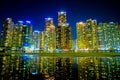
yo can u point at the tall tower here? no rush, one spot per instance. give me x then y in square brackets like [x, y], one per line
[50, 38]
[7, 33]
[49, 25]
[42, 40]
[61, 18]
[63, 33]
[102, 36]
[81, 36]
[17, 36]
[27, 36]
[91, 34]
[36, 40]
[108, 34]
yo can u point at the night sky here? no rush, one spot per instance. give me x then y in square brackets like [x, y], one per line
[77, 10]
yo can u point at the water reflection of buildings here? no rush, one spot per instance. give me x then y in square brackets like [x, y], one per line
[99, 68]
[27, 67]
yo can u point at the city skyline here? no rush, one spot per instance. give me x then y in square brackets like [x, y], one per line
[56, 25]
[77, 10]
[59, 40]
[91, 36]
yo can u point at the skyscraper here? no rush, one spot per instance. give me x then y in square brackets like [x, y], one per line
[17, 36]
[81, 36]
[102, 40]
[112, 35]
[91, 34]
[36, 40]
[27, 36]
[63, 33]
[61, 18]
[50, 36]
[87, 35]
[42, 40]
[109, 36]
[7, 33]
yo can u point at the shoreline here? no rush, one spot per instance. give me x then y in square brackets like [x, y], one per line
[67, 54]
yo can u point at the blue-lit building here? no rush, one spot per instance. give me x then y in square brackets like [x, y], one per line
[27, 36]
[36, 40]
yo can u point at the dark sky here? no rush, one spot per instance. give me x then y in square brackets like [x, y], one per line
[77, 10]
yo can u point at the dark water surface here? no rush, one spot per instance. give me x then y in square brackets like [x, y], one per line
[36, 67]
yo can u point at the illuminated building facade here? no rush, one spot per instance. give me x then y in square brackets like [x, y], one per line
[36, 40]
[7, 33]
[87, 35]
[81, 36]
[50, 36]
[63, 33]
[17, 36]
[27, 36]
[42, 40]
[61, 18]
[91, 34]
[102, 40]
[109, 36]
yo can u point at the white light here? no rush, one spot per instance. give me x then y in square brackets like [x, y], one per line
[67, 24]
[94, 20]
[63, 24]
[118, 48]
[28, 22]
[20, 21]
[32, 48]
[34, 73]
[62, 12]
[36, 31]
[48, 19]
[80, 23]
[8, 18]
[86, 49]
[111, 22]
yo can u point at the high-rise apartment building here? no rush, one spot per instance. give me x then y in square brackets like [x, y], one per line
[42, 40]
[81, 36]
[91, 34]
[109, 36]
[7, 33]
[50, 35]
[63, 33]
[36, 40]
[87, 35]
[27, 36]
[17, 36]
[61, 18]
